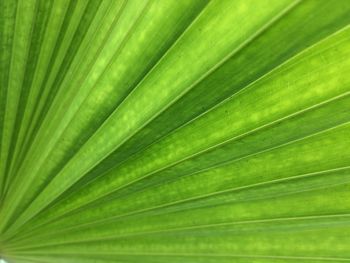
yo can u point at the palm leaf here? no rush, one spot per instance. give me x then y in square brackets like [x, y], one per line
[174, 131]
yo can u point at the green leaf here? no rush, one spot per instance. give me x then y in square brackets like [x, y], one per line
[174, 131]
